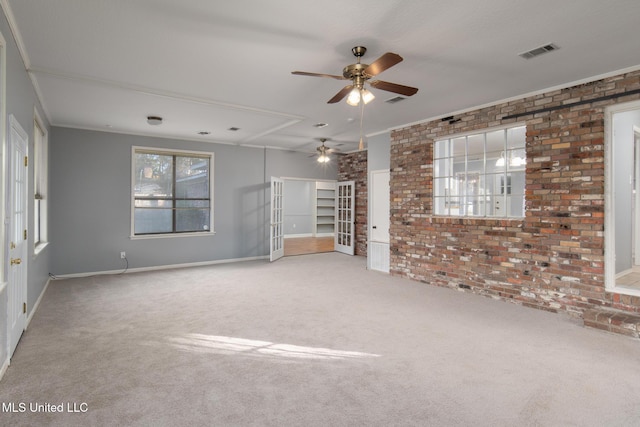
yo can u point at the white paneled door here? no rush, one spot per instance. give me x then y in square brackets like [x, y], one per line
[379, 237]
[276, 234]
[345, 218]
[380, 206]
[17, 232]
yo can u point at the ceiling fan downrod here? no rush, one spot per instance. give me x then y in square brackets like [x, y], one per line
[355, 72]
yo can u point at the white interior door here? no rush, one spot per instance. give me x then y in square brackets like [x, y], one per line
[345, 218]
[276, 235]
[380, 206]
[17, 226]
[378, 256]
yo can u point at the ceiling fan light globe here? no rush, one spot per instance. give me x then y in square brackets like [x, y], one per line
[354, 97]
[367, 96]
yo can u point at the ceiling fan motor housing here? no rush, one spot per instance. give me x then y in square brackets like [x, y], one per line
[356, 73]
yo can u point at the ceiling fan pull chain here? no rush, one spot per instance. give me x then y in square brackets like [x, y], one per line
[361, 144]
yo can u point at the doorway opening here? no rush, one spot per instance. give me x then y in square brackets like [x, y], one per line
[622, 202]
[311, 216]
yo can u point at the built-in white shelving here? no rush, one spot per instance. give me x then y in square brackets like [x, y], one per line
[325, 208]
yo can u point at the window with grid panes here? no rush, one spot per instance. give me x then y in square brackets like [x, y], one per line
[481, 174]
[171, 192]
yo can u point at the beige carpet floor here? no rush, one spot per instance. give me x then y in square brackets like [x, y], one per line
[312, 340]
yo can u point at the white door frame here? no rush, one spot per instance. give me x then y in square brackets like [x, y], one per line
[378, 255]
[276, 230]
[18, 224]
[344, 237]
[636, 199]
[4, 149]
[609, 198]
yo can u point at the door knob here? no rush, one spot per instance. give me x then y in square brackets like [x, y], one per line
[16, 261]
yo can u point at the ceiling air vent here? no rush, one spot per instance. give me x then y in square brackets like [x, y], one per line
[539, 51]
[395, 99]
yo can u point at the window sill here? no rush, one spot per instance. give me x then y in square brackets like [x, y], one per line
[444, 218]
[622, 290]
[39, 249]
[171, 235]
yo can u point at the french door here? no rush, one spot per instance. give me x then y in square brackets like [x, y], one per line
[276, 233]
[344, 235]
[17, 227]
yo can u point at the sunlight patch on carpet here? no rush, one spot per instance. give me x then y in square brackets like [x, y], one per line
[200, 343]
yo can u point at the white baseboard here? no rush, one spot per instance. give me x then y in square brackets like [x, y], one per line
[37, 304]
[162, 267]
[5, 363]
[4, 367]
[293, 236]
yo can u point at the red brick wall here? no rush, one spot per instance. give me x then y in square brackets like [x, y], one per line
[553, 259]
[353, 167]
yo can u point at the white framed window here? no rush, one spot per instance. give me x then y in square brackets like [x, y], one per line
[171, 192]
[40, 183]
[481, 174]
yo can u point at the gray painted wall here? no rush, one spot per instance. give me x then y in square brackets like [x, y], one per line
[379, 152]
[91, 199]
[21, 100]
[280, 163]
[298, 207]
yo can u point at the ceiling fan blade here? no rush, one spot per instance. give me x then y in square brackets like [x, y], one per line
[387, 60]
[394, 87]
[338, 96]
[331, 76]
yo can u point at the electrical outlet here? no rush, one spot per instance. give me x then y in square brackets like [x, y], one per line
[123, 255]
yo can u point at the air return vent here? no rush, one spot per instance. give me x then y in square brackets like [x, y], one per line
[395, 99]
[539, 51]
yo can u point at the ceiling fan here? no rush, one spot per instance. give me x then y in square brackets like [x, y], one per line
[359, 74]
[324, 151]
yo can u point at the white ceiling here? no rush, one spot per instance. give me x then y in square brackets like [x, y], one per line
[211, 65]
